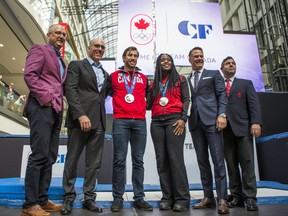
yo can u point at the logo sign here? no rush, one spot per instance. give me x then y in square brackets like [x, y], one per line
[141, 29]
[57, 168]
[196, 31]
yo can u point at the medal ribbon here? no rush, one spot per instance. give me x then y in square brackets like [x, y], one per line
[129, 89]
[163, 90]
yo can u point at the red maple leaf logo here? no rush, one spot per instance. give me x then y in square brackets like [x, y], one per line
[141, 24]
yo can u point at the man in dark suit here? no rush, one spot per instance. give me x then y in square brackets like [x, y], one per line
[206, 124]
[85, 90]
[44, 75]
[244, 122]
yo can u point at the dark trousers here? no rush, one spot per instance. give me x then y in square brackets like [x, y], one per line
[170, 161]
[204, 138]
[240, 151]
[135, 132]
[93, 141]
[45, 125]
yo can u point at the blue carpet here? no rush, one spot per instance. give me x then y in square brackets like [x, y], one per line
[12, 192]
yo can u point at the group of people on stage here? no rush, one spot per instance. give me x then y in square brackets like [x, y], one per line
[223, 117]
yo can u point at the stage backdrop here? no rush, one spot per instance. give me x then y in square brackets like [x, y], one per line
[180, 27]
[175, 28]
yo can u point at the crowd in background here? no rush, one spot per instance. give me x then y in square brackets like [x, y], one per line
[10, 98]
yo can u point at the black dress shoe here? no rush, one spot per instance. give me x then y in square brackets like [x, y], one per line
[91, 206]
[117, 205]
[251, 204]
[180, 207]
[229, 198]
[66, 207]
[143, 205]
[165, 205]
[236, 202]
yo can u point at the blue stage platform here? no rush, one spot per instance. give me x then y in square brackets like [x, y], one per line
[12, 193]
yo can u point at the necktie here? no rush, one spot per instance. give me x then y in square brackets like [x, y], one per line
[228, 87]
[196, 79]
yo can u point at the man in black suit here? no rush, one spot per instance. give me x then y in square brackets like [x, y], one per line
[85, 91]
[206, 124]
[244, 122]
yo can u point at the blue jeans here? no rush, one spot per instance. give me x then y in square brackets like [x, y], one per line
[135, 132]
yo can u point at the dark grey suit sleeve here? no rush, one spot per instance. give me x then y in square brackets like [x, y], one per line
[71, 90]
[220, 91]
[253, 104]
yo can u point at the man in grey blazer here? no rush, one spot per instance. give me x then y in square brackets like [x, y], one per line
[244, 122]
[206, 124]
[85, 90]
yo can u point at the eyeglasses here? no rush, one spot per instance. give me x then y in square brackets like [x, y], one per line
[59, 33]
[100, 46]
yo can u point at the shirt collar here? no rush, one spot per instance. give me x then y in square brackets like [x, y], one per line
[231, 78]
[56, 51]
[92, 62]
[200, 71]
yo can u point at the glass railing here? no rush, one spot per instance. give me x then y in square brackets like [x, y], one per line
[11, 100]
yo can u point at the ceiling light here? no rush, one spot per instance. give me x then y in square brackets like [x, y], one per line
[13, 58]
[1, 45]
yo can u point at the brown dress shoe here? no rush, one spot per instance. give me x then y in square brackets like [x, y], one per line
[51, 207]
[35, 210]
[223, 207]
[205, 203]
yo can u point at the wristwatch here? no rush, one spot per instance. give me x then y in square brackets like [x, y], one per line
[223, 115]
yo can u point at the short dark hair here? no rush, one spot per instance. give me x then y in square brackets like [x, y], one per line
[225, 59]
[128, 49]
[195, 48]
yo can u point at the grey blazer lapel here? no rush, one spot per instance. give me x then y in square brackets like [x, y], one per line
[203, 74]
[91, 72]
[234, 86]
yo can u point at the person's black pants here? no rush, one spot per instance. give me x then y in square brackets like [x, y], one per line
[45, 125]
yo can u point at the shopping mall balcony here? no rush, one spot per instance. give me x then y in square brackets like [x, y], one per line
[11, 107]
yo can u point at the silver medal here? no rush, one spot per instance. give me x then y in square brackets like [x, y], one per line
[129, 98]
[163, 101]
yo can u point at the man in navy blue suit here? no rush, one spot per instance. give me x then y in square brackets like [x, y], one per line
[206, 124]
[244, 122]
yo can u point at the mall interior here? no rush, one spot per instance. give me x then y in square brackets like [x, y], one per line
[25, 22]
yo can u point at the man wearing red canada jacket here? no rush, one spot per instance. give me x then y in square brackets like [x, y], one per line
[129, 88]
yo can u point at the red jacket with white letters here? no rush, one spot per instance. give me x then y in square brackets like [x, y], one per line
[122, 109]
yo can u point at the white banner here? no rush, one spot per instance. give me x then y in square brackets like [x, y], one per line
[151, 175]
[136, 28]
[179, 28]
[57, 168]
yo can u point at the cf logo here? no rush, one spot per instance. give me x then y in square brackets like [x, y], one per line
[196, 31]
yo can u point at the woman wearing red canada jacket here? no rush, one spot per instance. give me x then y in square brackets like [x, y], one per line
[170, 102]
